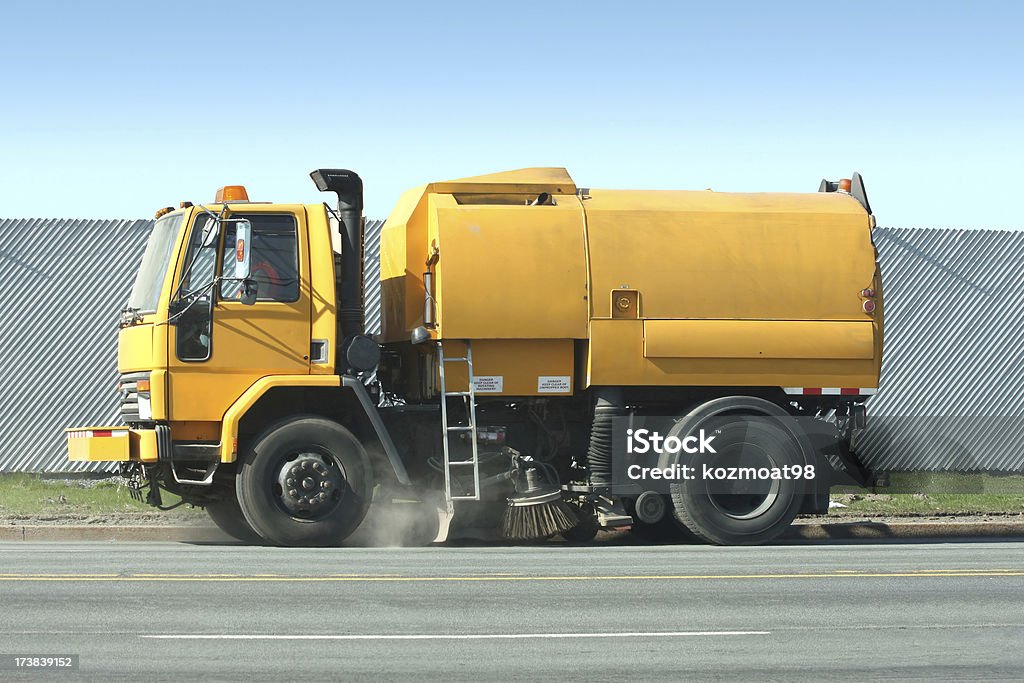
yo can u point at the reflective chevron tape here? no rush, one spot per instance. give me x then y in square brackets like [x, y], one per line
[829, 391]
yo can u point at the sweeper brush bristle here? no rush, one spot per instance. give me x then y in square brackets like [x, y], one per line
[540, 520]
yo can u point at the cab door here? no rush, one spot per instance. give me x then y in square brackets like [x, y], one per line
[220, 346]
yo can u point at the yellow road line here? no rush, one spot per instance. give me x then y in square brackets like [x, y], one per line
[222, 578]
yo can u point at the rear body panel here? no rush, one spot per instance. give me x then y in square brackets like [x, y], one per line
[661, 288]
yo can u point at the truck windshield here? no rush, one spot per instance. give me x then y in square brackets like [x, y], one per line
[146, 292]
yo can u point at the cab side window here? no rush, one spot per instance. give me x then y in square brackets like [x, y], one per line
[274, 261]
[202, 260]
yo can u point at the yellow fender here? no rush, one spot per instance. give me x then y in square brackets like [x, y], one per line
[234, 414]
[238, 409]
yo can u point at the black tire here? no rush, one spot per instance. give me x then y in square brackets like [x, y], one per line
[229, 518]
[666, 530]
[281, 483]
[586, 526]
[743, 512]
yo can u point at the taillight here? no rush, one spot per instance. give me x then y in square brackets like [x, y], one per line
[868, 305]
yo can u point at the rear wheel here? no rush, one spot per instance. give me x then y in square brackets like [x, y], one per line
[305, 482]
[743, 511]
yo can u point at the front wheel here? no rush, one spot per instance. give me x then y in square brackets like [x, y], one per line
[305, 482]
[229, 518]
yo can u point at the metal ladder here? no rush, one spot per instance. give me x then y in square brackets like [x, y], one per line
[469, 397]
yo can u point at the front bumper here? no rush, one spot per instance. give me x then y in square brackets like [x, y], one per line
[112, 444]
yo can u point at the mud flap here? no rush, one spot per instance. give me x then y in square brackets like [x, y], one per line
[445, 512]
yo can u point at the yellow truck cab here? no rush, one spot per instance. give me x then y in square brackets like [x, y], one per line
[530, 327]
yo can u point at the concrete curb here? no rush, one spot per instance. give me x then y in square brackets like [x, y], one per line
[808, 531]
[97, 532]
[881, 530]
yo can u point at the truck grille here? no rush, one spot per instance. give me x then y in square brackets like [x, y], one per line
[129, 395]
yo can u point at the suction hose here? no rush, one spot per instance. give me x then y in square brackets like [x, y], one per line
[610, 404]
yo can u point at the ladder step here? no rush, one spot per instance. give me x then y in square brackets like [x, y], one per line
[462, 491]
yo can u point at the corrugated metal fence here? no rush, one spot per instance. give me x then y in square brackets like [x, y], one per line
[371, 276]
[64, 283]
[952, 389]
[954, 334]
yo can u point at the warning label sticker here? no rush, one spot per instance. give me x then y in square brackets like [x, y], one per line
[554, 384]
[488, 384]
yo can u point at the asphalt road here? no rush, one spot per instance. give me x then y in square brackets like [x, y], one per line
[883, 610]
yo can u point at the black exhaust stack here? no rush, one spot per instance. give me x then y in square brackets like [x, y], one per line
[349, 188]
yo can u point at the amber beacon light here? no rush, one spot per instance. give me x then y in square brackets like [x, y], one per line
[231, 193]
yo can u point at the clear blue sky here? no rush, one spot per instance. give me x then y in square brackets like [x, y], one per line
[114, 110]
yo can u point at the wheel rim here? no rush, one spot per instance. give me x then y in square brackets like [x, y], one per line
[745, 499]
[309, 486]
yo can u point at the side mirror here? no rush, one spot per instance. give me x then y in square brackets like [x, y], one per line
[243, 253]
[247, 296]
[211, 232]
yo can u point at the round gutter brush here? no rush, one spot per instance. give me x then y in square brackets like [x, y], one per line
[537, 511]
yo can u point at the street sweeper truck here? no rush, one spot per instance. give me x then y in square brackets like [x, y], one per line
[550, 359]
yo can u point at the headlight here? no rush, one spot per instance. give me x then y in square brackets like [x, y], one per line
[145, 409]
